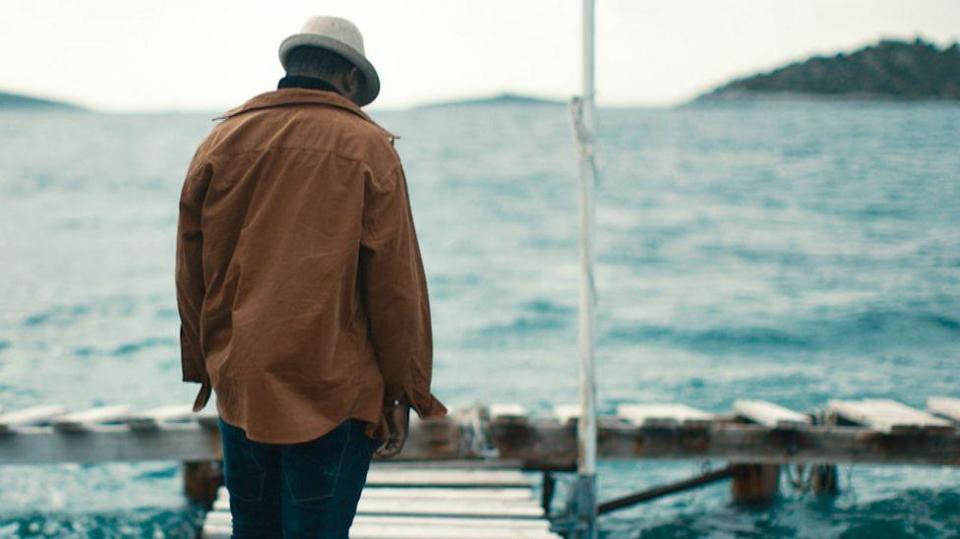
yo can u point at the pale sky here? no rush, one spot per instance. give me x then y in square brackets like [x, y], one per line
[132, 55]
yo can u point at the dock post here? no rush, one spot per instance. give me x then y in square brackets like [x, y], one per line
[546, 492]
[201, 480]
[755, 484]
[824, 480]
[584, 498]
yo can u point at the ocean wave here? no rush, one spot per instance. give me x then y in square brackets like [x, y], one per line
[859, 329]
[58, 315]
[911, 513]
[710, 337]
[129, 348]
[538, 316]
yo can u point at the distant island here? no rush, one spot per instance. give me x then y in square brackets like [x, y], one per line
[20, 101]
[889, 69]
[500, 99]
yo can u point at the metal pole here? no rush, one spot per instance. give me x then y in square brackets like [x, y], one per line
[587, 424]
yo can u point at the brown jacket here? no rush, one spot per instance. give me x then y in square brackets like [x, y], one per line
[300, 286]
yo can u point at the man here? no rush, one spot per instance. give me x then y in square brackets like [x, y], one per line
[301, 291]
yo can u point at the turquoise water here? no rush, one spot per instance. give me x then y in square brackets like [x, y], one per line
[786, 251]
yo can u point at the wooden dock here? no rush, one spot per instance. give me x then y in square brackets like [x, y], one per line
[403, 501]
[877, 431]
[469, 474]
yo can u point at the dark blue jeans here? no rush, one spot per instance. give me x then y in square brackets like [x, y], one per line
[309, 489]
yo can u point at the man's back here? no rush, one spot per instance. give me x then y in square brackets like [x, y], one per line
[309, 299]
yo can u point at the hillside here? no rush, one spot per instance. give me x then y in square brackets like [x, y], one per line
[887, 70]
[501, 99]
[20, 101]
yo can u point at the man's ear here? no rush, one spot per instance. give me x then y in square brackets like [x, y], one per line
[353, 79]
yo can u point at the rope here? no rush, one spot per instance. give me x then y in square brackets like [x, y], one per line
[583, 137]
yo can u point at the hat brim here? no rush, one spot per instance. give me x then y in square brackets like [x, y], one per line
[371, 86]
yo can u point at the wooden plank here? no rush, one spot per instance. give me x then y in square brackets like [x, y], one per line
[84, 419]
[224, 518]
[35, 415]
[945, 407]
[219, 524]
[447, 507]
[153, 418]
[519, 523]
[539, 443]
[548, 444]
[419, 461]
[662, 414]
[451, 507]
[508, 411]
[512, 494]
[567, 413]
[886, 415]
[769, 414]
[110, 443]
[477, 531]
[481, 493]
[392, 477]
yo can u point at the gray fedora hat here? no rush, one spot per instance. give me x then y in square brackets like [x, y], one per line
[342, 37]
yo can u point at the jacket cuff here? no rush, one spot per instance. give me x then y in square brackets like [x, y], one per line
[192, 366]
[191, 372]
[424, 402]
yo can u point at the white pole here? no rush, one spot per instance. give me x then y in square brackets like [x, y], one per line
[587, 425]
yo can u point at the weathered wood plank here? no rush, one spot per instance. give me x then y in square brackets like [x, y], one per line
[224, 518]
[110, 443]
[885, 415]
[219, 525]
[566, 413]
[389, 476]
[35, 415]
[446, 507]
[945, 407]
[538, 443]
[451, 507]
[662, 414]
[548, 444]
[769, 414]
[155, 417]
[84, 419]
[479, 493]
[436, 531]
[518, 523]
[508, 410]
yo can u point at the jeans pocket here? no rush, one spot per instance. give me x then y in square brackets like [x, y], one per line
[311, 470]
[243, 475]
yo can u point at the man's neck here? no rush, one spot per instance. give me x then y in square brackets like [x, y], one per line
[299, 81]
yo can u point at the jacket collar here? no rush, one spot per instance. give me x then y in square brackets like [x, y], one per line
[299, 81]
[285, 97]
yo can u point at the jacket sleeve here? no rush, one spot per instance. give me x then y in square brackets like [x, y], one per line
[189, 272]
[394, 290]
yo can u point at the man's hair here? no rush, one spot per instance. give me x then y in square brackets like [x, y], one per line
[307, 61]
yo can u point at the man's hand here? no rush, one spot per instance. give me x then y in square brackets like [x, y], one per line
[398, 421]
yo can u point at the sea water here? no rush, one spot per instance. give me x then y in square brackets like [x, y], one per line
[794, 252]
